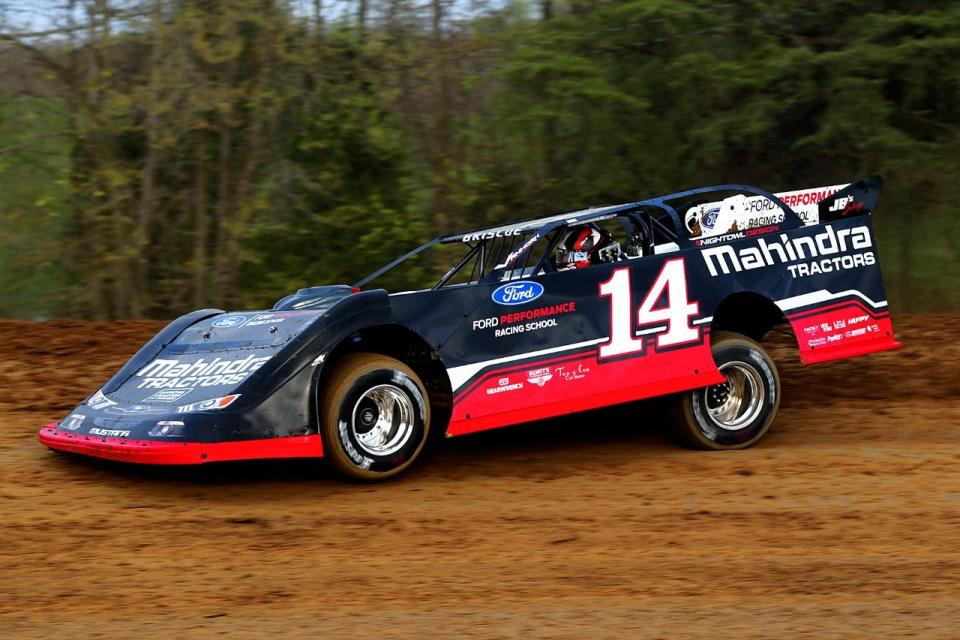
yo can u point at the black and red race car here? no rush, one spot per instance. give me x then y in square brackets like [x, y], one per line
[544, 317]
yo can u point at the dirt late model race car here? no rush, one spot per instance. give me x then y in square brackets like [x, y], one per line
[544, 317]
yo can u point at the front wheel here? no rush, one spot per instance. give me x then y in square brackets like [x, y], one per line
[375, 416]
[737, 413]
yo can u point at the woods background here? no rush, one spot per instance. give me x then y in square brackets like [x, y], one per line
[158, 155]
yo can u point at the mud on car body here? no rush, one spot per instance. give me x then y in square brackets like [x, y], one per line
[666, 296]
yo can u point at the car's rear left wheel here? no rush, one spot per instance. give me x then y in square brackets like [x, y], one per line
[738, 412]
[375, 416]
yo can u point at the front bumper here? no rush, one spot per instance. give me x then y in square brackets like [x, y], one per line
[161, 452]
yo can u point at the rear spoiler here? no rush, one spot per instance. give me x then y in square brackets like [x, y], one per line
[856, 199]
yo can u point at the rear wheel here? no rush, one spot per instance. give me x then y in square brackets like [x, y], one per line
[375, 416]
[738, 412]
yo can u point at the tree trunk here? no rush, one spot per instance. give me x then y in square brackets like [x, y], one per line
[199, 261]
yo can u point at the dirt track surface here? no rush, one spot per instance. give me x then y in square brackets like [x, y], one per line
[844, 522]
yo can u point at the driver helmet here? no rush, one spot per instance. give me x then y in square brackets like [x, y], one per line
[580, 247]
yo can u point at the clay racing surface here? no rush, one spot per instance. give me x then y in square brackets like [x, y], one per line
[844, 522]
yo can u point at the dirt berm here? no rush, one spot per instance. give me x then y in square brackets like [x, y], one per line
[844, 522]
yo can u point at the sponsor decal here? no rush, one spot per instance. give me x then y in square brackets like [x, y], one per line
[706, 242]
[168, 395]
[749, 233]
[266, 318]
[841, 330]
[504, 385]
[520, 250]
[99, 401]
[526, 314]
[569, 373]
[228, 322]
[109, 433]
[539, 377]
[709, 219]
[761, 221]
[362, 461]
[208, 405]
[841, 205]
[815, 251]
[174, 374]
[754, 211]
[851, 207]
[524, 328]
[490, 235]
[73, 422]
[517, 292]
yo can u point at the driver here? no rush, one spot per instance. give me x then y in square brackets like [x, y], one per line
[585, 245]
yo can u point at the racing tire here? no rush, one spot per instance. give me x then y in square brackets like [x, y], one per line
[374, 416]
[737, 413]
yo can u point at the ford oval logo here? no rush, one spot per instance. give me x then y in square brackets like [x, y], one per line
[225, 322]
[710, 217]
[517, 292]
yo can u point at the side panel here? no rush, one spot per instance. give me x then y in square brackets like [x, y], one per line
[571, 341]
[575, 340]
[825, 278]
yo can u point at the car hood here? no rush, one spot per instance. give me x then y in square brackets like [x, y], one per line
[210, 359]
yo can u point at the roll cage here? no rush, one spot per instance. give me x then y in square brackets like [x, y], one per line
[504, 252]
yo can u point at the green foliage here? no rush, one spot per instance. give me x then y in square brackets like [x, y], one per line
[228, 153]
[33, 189]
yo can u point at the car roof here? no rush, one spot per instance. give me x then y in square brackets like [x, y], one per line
[515, 228]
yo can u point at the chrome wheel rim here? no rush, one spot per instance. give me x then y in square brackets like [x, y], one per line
[736, 403]
[382, 420]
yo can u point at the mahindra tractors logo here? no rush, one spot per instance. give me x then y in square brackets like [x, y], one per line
[175, 374]
[724, 259]
[517, 293]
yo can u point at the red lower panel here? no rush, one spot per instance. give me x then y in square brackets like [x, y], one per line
[842, 331]
[156, 452]
[534, 391]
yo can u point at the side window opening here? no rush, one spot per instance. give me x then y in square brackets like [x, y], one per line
[524, 257]
[497, 260]
[663, 233]
[612, 239]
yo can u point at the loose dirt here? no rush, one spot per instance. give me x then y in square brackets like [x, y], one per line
[844, 522]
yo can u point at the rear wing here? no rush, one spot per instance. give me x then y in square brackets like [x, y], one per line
[856, 199]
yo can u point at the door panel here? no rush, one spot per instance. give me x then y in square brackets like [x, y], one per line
[552, 345]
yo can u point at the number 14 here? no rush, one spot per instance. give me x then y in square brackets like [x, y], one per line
[676, 314]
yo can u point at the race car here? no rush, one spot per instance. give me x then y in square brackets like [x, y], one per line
[538, 318]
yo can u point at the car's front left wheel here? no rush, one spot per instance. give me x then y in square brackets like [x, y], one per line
[375, 416]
